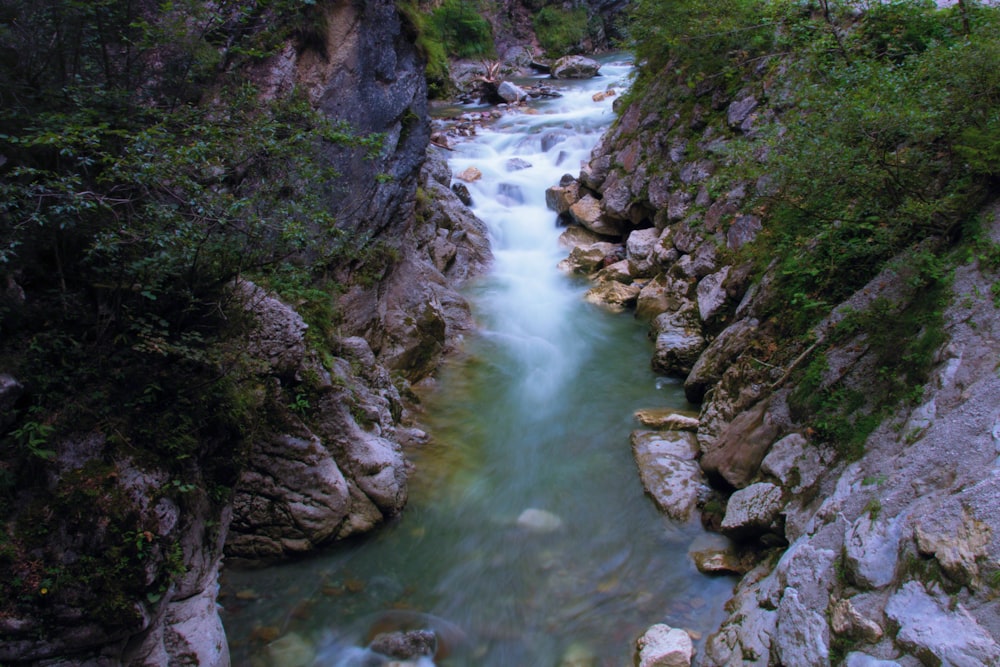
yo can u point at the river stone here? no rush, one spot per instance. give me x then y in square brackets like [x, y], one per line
[469, 175]
[679, 341]
[613, 295]
[741, 446]
[871, 550]
[679, 444]
[405, 645]
[616, 272]
[937, 635]
[539, 521]
[575, 236]
[666, 419]
[753, 510]
[560, 198]
[578, 655]
[511, 93]
[584, 260]
[587, 213]
[662, 294]
[715, 554]
[575, 67]
[639, 249]
[664, 646]
[673, 482]
[802, 636]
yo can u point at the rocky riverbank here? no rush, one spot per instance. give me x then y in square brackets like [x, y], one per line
[889, 557]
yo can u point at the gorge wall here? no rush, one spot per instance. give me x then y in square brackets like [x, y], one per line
[883, 552]
[111, 554]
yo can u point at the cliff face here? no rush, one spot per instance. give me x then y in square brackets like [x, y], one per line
[114, 553]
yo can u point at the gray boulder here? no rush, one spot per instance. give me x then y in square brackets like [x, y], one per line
[753, 510]
[575, 67]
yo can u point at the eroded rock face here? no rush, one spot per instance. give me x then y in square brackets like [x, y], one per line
[575, 67]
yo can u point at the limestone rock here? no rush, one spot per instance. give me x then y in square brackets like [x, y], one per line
[712, 294]
[793, 463]
[666, 419]
[848, 621]
[575, 67]
[279, 334]
[511, 93]
[617, 272]
[585, 259]
[679, 341]
[858, 659]
[871, 550]
[405, 645]
[739, 110]
[469, 175]
[802, 637]
[678, 444]
[587, 212]
[753, 510]
[937, 635]
[292, 496]
[662, 294]
[613, 295]
[291, 650]
[743, 230]
[640, 251]
[560, 198]
[738, 451]
[718, 357]
[664, 646]
[956, 539]
[715, 554]
[193, 628]
[575, 236]
[673, 482]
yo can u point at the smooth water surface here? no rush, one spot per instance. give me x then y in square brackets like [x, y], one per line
[527, 540]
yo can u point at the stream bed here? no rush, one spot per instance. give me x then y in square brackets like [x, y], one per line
[527, 540]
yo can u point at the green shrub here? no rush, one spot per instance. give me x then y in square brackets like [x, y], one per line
[460, 26]
[561, 31]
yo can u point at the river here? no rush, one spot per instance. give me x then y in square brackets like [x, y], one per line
[527, 540]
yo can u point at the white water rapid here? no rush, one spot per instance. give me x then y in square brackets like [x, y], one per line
[528, 540]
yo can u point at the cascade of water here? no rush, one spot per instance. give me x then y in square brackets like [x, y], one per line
[527, 539]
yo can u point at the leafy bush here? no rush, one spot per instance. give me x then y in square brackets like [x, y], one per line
[561, 31]
[460, 26]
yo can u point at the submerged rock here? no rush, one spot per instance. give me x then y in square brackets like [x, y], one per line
[539, 521]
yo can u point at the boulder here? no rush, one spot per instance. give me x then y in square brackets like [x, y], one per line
[666, 419]
[718, 357]
[711, 294]
[511, 93]
[517, 164]
[662, 294]
[585, 259]
[664, 646]
[753, 510]
[613, 295]
[587, 212]
[739, 110]
[575, 67]
[640, 251]
[560, 198]
[405, 645]
[679, 341]
[956, 539]
[575, 235]
[616, 272]
[469, 175]
[736, 454]
[279, 335]
[846, 620]
[743, 230]
[714, 554]
[667, 471]
[793, 463]
[871, 550]
[936, 634]
[802, 636]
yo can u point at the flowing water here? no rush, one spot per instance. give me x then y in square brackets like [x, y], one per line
[527, 540]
